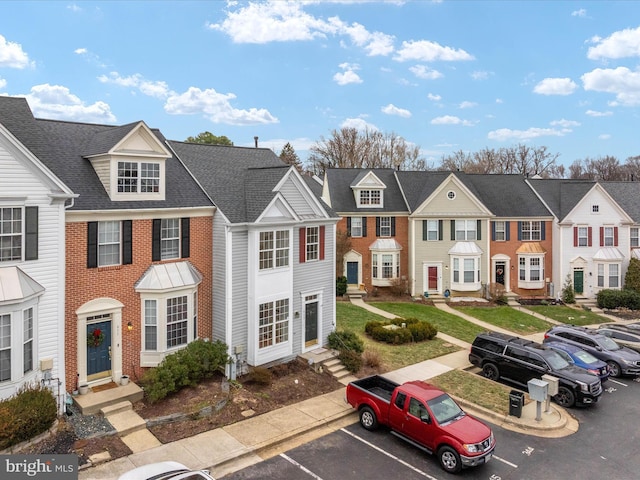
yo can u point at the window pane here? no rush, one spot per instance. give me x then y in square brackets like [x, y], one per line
[10, 234]
[601, 275]
[312, 243]
[582, 236]
[150, 177]
[170, 238]
[265, 326]
[500, 231]
[5, 348]
[177, 321]
[282, 248]
[150, 325]
[356, 226]
[282, 321]
[613, 275]
[634, 237]
[108, 243]
[127, 177]
[387, 266]
[469, 270]
[27, 353]
[385, 226]
[432, 230]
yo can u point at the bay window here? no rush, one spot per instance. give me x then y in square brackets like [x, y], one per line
[608, 275]
[531, 271]
[273, 323]
[465, 273]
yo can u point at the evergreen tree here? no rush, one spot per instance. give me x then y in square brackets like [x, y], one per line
[210, 138]
[632, 278]
[289, 156]
[568, 293]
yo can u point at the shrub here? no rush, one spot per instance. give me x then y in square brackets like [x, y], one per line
[399, 287]
[497, 293]
[341, 286]
[351, 360]
[28, 413]
[345, 340]
[612, 299]
[186, 367]
[372, 358]
[415, 331]
[568, 293]
[259, 375]
[632, 278]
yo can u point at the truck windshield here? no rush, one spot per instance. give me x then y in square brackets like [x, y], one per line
[445, 409]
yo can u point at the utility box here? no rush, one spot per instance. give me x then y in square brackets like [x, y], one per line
[553, 384]
[538, 389]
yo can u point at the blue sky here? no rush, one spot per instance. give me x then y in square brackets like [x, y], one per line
[445, 75]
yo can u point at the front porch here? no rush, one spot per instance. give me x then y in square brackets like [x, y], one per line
[106, 396]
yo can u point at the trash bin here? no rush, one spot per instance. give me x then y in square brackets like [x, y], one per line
[516, 401]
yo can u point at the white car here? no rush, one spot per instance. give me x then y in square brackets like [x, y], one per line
[165, 471]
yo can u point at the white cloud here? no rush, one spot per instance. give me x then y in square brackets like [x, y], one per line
[422, 71]
[12, 55]
[3, 82]
[479, 75]
[156, 89]
[467, 104]
[579, 13]
[507, 134]
[564, 123]
[359, 124]
[621, 81]
[216, 107]
[349, 75]
[58, 103]
[499, 101]
[434, 97]
[594, 113]
[555, 86]
[80, 51]
[604, 136]
[620, 44]
[74, 8]
[450, 120]
[277, 21]
[427, 51]
[391, 109]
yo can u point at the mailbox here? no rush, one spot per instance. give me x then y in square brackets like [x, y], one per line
[553, 384]
[538, 389]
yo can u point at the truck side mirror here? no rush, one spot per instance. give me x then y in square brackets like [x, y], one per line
[425, 418]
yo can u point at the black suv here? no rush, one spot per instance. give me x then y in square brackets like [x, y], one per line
[519, 360]
[621, 360]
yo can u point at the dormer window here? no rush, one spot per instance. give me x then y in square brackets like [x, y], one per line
[370, 197]
[143, 177]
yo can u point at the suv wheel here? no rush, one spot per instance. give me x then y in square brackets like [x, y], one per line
[565, 397]
[614, 368]
[490, 371]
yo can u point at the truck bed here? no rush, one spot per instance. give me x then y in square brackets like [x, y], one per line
[377, 385]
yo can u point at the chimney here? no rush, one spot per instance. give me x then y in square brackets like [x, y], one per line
[255, 139]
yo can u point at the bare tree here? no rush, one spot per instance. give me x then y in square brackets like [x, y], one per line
[632, 168]
[606, 168]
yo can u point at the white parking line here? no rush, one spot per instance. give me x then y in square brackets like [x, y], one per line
[618, 382]
[505, 461]
[301, 467]
[424, 474]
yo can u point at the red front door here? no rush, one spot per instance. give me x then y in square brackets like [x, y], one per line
[432, 274]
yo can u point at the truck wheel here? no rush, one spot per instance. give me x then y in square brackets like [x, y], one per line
[368, 419]
[614, 368]
[449, 459]
[565, 397]
[490, 371]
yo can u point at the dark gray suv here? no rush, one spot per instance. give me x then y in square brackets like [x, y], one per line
[621, 360]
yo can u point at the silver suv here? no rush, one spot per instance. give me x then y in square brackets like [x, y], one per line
[621, 360]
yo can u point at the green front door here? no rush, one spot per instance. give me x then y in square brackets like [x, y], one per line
[578, 281]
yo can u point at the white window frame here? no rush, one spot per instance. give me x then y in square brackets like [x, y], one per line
[273, 249]
[608, 234]
[6, 348]
[595, 209]
[385, 226]
[18, 327]
[466, 230]
[531, 230]
[356, 226]
[583, 236]
[273, 323]
[138, 177]
[385, 267]
[465, 272]
[108, 246]
[500, 229]
[11, 240]
[169, 238]
[370, 198]
[608, 275]
[634, 238]
[528, 265]
[312, 244]
[433, 230]
[28, 343]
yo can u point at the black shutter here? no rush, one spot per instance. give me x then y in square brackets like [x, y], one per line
[348, 226]
[127, 242]
[453, 229]
[507, 232]
[440, 229]
[155, 240]
[424, 230]
[542, 230]
[31, 233]
[377, 226]
[393, 226]
[364, 226]
[185, 229]
[92, 244]
[519, 231]
[479, 230]
[493, 231]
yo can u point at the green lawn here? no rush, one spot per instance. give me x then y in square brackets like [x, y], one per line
[474, 389]
[564, 314]
[350, 317]
[445, 322]
[508, 318]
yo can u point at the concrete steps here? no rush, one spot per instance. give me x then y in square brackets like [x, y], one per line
[327, 359]
[122, 417]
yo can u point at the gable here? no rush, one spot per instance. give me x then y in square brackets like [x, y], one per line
[277, 211]
[299, 197]
[452, 199]
[367, 180]
[140, 141]
[597, 207]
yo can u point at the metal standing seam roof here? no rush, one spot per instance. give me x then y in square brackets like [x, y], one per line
[608, 254]
[15, 285]
[167, 276]
[465, 248]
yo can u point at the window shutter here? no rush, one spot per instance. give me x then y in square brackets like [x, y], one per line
[519, 231]
[322, 230]
[377, 226]
[393, 226]
[92, 244]
[424, 230]
[615, 236]
[185, 232]
[364, 226]
[507, 231]
[155, 240]
[440, 229]
[31, 233]
[493, 231]
[575, 236]
[348, 226]
[479, 230]
[453, 229]
[303, 244]
[127, 242]
[590, 236]
[602, 236]
[543, 233]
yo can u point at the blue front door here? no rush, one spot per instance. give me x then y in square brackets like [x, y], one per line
[352, 273]
[99, 349]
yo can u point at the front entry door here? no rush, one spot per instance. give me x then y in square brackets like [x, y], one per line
[98, 349]
[500, 273]
[311, 324]
[352, 273]
[578, 281]
[432, 275]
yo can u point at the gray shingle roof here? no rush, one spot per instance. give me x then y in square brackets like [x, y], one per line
[627, 195]
[240, 180]
[508, 195]
[561, 195]
[62, 145]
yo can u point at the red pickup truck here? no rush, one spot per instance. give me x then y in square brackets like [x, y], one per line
[424, 416]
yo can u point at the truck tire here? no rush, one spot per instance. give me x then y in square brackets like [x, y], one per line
[490, 371]
[565, 397]
[449, 459]
[368, 419]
